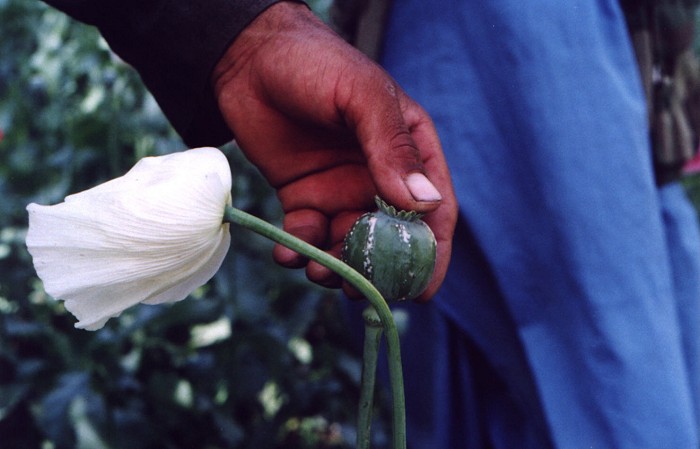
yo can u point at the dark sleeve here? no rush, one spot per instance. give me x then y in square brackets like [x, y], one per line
[174, 45]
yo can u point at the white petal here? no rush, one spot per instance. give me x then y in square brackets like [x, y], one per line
[153, 235]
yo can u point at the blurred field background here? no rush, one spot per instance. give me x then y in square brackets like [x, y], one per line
[258, 358]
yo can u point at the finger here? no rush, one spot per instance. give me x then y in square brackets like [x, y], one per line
[442, 222]
[310, 226]
[393, 157]
[351, 292]
[343, 188]
[321, 275]
[339, 227]
[442, 261]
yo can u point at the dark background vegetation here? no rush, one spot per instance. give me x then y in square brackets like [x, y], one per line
[258, 358]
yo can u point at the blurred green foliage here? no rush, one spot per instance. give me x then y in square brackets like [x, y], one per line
[258, 358]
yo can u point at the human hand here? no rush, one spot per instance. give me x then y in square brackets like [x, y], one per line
[329, 129]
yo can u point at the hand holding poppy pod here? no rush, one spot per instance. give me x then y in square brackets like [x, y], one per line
[330, 129]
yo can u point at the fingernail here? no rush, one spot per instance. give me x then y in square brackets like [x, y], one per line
[421, 188]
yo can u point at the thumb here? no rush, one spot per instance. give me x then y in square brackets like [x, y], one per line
[386, 133]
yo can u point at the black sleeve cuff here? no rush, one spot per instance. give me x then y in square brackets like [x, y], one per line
[174, 45]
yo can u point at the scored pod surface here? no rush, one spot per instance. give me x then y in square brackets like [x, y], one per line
[394, 250]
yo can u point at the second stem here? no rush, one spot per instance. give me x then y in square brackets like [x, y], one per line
[255, 224]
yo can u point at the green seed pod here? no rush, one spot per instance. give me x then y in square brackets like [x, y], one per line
[394, 250]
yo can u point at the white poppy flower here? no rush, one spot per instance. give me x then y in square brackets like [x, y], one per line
[153, 235]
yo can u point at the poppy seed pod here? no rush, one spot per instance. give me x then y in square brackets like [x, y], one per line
[393, 250]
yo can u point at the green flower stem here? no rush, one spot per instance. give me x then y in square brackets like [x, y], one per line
[373, 337]
[233, 215]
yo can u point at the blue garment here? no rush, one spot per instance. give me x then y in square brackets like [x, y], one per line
[569, 316]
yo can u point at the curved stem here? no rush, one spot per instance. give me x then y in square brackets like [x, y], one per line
[373, 337]
[255, 224]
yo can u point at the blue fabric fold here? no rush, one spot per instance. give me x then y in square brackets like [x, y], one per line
[569, 317]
